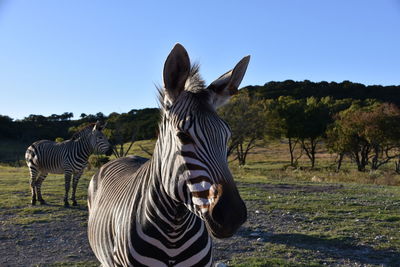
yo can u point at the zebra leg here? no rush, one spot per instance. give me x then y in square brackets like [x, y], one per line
[67, 186]
[39, 182]
[32, 182]
[74, 185]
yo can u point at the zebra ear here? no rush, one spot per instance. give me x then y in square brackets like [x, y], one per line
[176, 71]
[97, 126]
[227, 84]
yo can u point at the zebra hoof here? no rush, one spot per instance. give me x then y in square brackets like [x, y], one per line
[33, 202]
[66, 204]
[42, 202]
[74, 203]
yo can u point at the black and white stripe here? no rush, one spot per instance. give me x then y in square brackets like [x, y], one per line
[161, 212]
[69, 158]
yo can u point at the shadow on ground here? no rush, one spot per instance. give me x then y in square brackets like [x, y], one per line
[338, 248]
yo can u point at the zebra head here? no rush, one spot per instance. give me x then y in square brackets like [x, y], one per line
[193, 143]
[99, 140]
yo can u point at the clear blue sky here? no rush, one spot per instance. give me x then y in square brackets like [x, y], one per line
[102, 56]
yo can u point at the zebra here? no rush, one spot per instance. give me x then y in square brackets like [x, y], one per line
[161, 212]
[69, 157]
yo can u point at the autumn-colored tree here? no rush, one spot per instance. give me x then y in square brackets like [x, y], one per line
[382, 131]
[367, 134]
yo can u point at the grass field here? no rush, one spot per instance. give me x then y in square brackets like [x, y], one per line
[297, 217]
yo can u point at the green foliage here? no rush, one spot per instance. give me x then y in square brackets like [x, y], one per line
[247, 120]
[365, 130]
[303, 114]
[343, 90]
[96, 161]
[59, 139]
[369, 134]
[302, 121]
[130, 127]
[140, 123]
[6, 124]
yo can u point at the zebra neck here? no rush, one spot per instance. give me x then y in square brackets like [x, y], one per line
[161, 211]
[84, 147]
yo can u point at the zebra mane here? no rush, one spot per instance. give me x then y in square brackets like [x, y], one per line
[82, 131]
[194, 84]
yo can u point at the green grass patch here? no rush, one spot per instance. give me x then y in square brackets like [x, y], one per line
[312, 217]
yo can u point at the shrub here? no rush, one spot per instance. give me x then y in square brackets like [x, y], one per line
[59, 139]
[96, 161]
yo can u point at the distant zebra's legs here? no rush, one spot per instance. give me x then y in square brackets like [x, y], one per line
[32, 182]
[74, 185]
[38, 186]
[67, 177]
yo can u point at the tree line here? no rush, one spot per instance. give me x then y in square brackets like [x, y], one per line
[343, 90]
[367, 131]
[350, 119]
[139, 124]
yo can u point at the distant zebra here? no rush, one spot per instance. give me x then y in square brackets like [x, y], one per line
[161, 213]
[69, 158]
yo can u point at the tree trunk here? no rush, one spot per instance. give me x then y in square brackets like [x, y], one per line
[310, 151]
[339, 164]
[241, 158]
[357, 159]
[250, 145]
[232, 146]
[397, 165]
[291, 150]
[375, 158]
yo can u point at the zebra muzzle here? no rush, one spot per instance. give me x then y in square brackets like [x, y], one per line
[227, 211]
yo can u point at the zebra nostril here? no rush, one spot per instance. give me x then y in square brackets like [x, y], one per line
[213, 194]
[214, 191]
[228, 210]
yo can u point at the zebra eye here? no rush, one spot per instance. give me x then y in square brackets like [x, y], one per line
[184, 138]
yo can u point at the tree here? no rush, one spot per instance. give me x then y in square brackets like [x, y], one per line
[303, 122]
[66, 116]
[54, 117]
[246, 117]
[343, 90]
[344, 136]
[119, 132]
[382, 131]
[368, 134]
[316, 118]
[100, 116]
[291, 114]
[6, 127]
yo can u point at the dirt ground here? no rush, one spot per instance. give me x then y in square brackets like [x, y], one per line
[64, 242]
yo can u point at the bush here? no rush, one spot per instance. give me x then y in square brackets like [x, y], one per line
[96, 161]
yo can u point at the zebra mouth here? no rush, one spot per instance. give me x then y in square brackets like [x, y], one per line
[226, 213]
[215, 229]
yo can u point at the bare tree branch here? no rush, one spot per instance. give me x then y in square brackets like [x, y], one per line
[145, 150]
